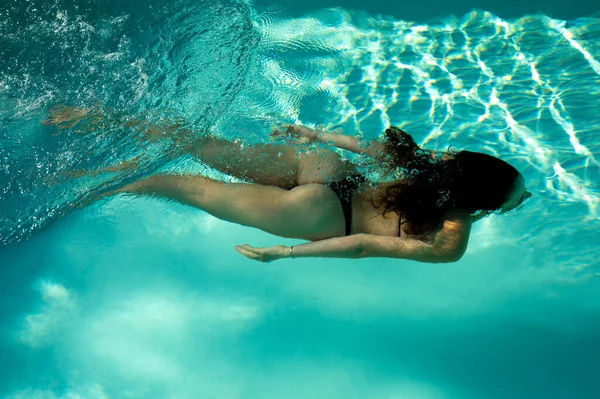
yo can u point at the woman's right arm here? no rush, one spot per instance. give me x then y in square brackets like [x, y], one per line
[372, 148]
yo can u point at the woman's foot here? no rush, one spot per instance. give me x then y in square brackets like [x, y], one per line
[67, 117]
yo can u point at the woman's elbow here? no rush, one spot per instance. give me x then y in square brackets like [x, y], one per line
[450, 255]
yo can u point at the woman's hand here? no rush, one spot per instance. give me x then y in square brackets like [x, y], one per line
[302, 134]
[263, 254]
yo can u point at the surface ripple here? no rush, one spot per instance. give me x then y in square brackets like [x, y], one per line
[177, 65]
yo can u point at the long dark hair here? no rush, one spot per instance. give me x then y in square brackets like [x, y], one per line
[428, 188]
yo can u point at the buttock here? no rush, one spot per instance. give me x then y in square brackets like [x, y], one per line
[315, 210]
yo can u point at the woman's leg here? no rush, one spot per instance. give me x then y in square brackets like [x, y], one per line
[309, 212]
[266, 164]
[279, 165]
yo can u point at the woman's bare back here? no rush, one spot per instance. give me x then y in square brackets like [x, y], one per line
[367, 218]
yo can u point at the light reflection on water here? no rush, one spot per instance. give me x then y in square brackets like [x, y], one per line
[524, 90]
[140, 298]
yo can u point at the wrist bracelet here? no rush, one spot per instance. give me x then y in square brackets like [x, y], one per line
[292, 252]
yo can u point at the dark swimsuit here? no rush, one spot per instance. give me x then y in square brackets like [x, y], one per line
[345, 189]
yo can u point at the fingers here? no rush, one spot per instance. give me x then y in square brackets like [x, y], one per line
[299, 134]
[243, 251]
[258, 254]
[247, 251]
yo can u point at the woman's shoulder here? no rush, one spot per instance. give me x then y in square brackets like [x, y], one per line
[452, 225]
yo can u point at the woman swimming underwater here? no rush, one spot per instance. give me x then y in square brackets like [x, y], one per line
[425, 214]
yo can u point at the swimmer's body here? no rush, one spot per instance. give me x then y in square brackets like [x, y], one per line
[288, 193]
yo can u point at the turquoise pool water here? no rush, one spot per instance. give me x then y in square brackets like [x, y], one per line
[138, 298]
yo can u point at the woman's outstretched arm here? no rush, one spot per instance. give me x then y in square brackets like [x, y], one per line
[372, 148]
[448, 245]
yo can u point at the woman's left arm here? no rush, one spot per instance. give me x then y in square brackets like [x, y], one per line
[448, 245]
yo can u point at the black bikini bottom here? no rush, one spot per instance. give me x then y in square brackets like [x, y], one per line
[344, 189]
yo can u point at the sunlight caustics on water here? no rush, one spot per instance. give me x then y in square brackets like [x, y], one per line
[525, 90]
[139, 298]
[479, 79]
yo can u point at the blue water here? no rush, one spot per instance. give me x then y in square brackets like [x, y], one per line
[139, 298]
